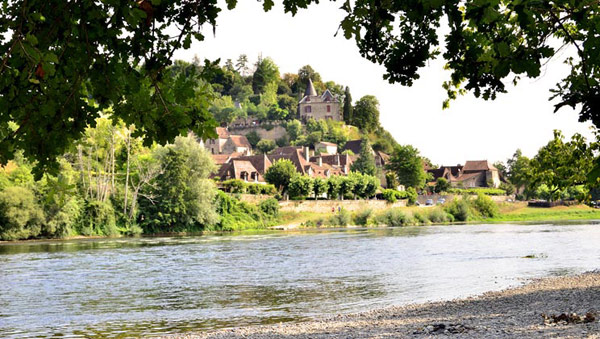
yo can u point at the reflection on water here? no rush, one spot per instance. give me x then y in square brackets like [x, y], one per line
[152, 286]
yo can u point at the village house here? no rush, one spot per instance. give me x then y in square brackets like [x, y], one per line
[226, 143]
[479, 173]
[319, 107]
[326, 147]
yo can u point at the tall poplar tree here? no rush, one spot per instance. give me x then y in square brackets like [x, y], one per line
[348, 109]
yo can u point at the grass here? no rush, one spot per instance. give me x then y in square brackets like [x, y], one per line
[520, 212]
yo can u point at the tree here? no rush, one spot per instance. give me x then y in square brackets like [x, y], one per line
[63, 63]
[266, 145]
[280, 174]
[519, 169]
[441, 185]
[304, 73]
[365, 163]
[334, 183]
[20, 214]
[408, 166]
[293, 129]
[486, 43]
[182, 197]
[366, 113]
[300, 186]
[241, 64]
[319, 187]
[560, 165]
[348, 106]
[266, 73]
[253, 138]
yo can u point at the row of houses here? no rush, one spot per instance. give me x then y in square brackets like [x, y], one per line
[323, 161]
[474, 173]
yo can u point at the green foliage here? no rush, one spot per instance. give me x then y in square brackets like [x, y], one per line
[294, 129]
[98, 219]
[300, 186]
[269, 207]
[459, 209]
[406, 163]
[507, 187]
[280, 174]
[265, 146]
[266, 73]
[411, 195]
[341, 218]
[439, 216]
[366, 113]
[253, 138]
[65, 221]
[365, 163]
[348, 109]
[319, 187]
[486, 207]
[392, 195]
[20, 214]
[441, 185]
[234, 186]
[394, 217]
[238, 215]
[362, 217]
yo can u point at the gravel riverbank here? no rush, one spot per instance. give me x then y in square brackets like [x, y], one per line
[512, 313]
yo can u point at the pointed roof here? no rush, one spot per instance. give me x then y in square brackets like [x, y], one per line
[327, 96]
[310, 89]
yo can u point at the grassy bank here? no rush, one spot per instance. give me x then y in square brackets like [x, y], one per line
[435, 215]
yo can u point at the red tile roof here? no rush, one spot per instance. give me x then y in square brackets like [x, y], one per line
[222, 132]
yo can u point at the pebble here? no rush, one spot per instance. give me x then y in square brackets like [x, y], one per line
[510, 313]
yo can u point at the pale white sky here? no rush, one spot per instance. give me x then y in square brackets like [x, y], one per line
[472, 129]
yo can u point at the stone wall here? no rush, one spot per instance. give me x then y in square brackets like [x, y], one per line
[273, 134]
[325, 206]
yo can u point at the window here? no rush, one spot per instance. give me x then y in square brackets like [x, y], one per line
[328, 108]
[307, 109]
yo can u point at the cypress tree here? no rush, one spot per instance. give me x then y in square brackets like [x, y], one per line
[348, 107]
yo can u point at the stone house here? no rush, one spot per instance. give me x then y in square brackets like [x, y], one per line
[478, 173]
[326, 147]
[227, 143]
[319, 107]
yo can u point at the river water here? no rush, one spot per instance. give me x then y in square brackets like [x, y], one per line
[154, 286]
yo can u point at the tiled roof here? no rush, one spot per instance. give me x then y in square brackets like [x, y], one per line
[260, 161]
[353, 145]
[220, 159]
[478, 165]
[222, 132]
[240, 141]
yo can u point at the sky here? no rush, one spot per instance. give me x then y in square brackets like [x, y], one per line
[471, 129]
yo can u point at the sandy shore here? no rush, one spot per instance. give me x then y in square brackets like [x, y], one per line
[512, 313]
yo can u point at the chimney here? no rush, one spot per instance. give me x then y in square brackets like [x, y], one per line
[337, 160]
[320, 161]
[306, 155]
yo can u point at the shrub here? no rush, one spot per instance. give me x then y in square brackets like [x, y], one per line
[411, 194]
[394, 217]
[269, 207]
[99, 219]
[65, 220]
[485, 206]
[253, 188]
[421, 218]
[20, 215]
[234, 186]
[341, 218]
[459, 209]
[486, 191]
[439, 216]
[362, 217]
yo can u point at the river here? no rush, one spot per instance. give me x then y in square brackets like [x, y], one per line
[155, 286]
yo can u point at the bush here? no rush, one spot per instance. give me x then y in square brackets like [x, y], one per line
[421, 218]
[411, 195]
[485, 206]
[394, 217]
[269, 207]
[99, 219]
[459, 209]
[341, 218]
[253, 188]
[234, 186]
[362, 217]
[20, 215]
[439, 216]
[65, 220]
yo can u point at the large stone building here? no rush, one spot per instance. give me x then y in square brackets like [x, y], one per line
[319, 107]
